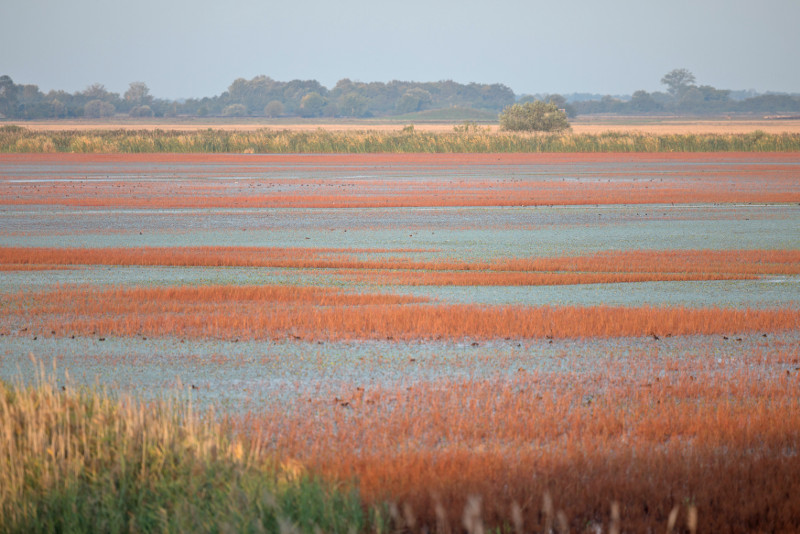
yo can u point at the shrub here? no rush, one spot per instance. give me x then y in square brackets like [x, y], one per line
[535, 116]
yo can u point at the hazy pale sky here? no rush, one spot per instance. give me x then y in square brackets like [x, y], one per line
[193, 48]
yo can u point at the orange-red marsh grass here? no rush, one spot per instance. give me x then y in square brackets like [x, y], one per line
[270, 312]
[400, 180]
[388, 193]
[681, 434]
[399, 267]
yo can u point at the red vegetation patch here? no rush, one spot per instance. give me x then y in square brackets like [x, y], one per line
[195, 256]
[268, 312]
[436, 193]
[604, 267]
[426, 180]
[726, 444]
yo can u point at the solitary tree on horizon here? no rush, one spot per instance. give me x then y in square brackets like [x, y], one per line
[678, 81]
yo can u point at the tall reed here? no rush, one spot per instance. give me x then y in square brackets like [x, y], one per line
[80, 460]
[17, 139]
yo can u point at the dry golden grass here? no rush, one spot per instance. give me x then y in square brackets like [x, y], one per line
[581, 125]
[79, 460]
[671, 126]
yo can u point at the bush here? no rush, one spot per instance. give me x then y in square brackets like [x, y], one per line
[536, 116]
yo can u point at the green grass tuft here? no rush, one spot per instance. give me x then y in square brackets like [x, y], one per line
[83, 461]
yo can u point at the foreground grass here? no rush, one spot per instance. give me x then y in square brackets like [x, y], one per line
[16, 139]
[83, 461]
[693, 448]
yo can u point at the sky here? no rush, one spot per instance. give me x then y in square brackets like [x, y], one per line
[196, 48]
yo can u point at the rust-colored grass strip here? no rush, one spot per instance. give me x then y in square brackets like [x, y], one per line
[428, 180]
[268, 312]
[726, 443]
[194, 256]
[492, 278]
[609, 266]
[534, 194]
[674, 261]
[10, 267]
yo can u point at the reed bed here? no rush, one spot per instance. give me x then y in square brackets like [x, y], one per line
[268, 312]
[80, 460]
[664, 446]
[654, 436]
[15, 139]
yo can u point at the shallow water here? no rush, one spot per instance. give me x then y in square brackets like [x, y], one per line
[466, 233]
[769, 292]
[247, 375]
[242, 376]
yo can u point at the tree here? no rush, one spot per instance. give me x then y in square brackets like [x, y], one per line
[142, 111]
[535, 116]
[414, 99]
[678, 81]
[642, 102]
[59, 109]
[97, 108]
[138, 94]
[235, 110]
[8, 97]
[273, 109]
[353, 105]
[561, 103]
[311, 105]
[97, 91]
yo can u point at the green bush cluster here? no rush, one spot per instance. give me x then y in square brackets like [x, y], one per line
[536, 116]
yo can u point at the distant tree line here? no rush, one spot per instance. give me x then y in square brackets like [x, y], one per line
[684, 96]
[259, 97]
[264, 97]
[28, 102]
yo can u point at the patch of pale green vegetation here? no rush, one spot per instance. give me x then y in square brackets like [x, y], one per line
[536, 116]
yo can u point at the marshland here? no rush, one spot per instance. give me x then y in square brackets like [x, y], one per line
[398, 341]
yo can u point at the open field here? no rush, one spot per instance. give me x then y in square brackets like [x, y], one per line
[580, 125]
[526, 339]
